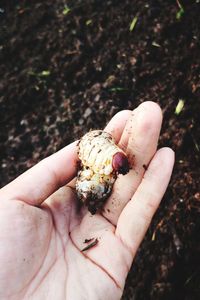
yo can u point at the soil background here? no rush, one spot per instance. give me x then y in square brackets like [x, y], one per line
[67, 67]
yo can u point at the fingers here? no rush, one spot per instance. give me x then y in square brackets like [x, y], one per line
[117, 124]
[136, 216]
[39, 182]
[139, 140]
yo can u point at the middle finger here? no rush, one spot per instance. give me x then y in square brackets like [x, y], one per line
[139, 140]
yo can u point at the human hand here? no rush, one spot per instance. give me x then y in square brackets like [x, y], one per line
[42, 232]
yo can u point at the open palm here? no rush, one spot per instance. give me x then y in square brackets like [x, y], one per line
[43, 230]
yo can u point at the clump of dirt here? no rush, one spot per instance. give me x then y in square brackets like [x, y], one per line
[64, 71]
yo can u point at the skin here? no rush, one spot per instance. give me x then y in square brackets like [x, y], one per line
[43, 230]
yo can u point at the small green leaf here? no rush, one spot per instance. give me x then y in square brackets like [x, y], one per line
[66, 10]
[88, 22]
[44, 73]
[117, 89]
[133, 23]
[156, 44]
[179, 107]
[180, 13]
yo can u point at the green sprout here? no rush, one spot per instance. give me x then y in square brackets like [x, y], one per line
[117, 89]
[180, 12]
[133, 23]
[44, 73]
[88, 22]
[179, 107]
[66, 10]
[155, 44]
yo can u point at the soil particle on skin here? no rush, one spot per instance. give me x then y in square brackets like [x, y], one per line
[63, 74]
[145, 167]
[91, 245]
[88, 240]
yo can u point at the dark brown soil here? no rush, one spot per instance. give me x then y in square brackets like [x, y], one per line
[63, 73]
